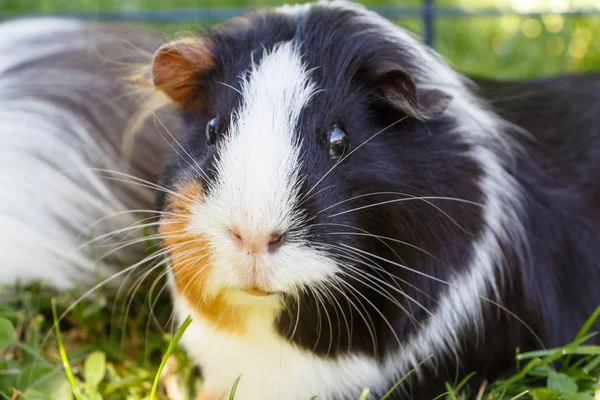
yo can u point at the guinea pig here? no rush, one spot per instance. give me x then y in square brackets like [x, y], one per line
[343, 208]
[70, 200]
[348, 207]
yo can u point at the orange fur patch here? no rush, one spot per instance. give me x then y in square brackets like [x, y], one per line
[190, 261]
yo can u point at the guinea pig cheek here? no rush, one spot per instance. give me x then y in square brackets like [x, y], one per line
[191, 263]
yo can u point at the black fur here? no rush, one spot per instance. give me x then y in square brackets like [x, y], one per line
[553, 283]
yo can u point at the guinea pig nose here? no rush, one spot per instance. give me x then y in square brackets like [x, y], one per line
[236, 237]
[256, 244]
[275, 241]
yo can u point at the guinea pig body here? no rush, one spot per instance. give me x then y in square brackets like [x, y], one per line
[349, 207]
[70, 199]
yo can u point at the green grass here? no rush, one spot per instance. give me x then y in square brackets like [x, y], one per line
[112, 349]
[123, 359]
[507, 47]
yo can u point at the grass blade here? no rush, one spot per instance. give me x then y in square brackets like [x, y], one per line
[170, 349]
[451, 392]
[584, 330]
[517, 377]
[234, 388]
[581, 350]
[62, 351]
[409, 373]
[523, 393]
[464, 382]
[588, 324]
[593, 364]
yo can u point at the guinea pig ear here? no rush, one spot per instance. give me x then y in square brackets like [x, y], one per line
[178, 69]
[401, 91]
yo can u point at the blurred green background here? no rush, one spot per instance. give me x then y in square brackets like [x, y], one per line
[503, 47]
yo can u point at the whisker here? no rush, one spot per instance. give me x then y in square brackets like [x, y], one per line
[137, 284]
[106, 237]
[484, 298]
[134, 288]
[314, 194]
[318, 301]
[158, 295]
[137, 180]
[230, 87]
[424, 199]
[127, 244]
[330, 343]
[89, 292]
[197, 169]
[375, 308]
[369, 324]
[402, 194]
[348, 326]
[297, 320]
[381, 290]
[381, 239]
[368, 263]
[144, 185]
[398, 289]
[352, 152]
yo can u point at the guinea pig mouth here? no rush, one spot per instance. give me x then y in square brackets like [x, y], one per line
[254, 291]
[252, 297]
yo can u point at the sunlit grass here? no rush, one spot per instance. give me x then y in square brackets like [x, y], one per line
[504, 47]
[103, 366]
[110, 356]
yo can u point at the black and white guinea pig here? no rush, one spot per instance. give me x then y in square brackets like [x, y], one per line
[344, 206]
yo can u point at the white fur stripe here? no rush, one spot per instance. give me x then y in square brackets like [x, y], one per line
[259, 162]
[461, 305]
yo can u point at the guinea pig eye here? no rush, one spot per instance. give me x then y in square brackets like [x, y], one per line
[339, 142]
[211, 131]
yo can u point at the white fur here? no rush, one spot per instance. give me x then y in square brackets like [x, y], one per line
[257, 182]
[270, 367]
[51, 203]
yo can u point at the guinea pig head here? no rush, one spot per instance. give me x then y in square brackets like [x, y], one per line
[310, 179]
[236, 230]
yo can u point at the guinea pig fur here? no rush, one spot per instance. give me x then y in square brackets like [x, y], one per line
[70, 200]
[350, 206]
[344, 208]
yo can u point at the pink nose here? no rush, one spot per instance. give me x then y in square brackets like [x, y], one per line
[257, 243]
